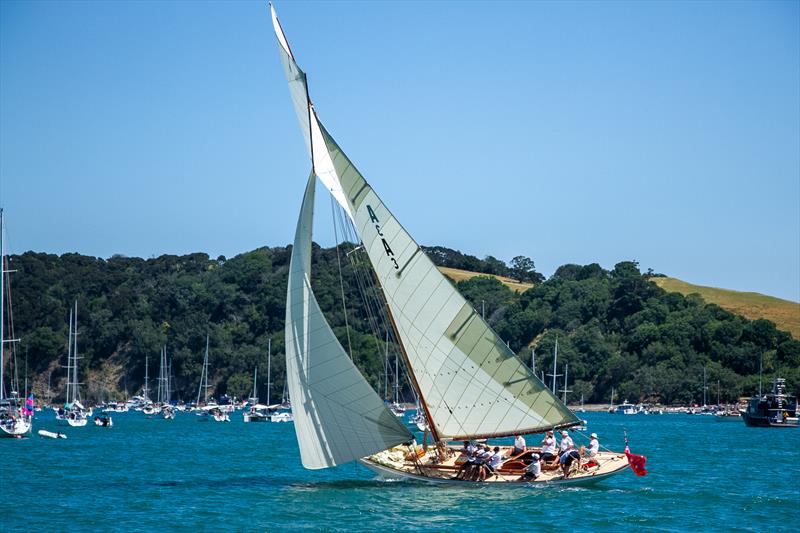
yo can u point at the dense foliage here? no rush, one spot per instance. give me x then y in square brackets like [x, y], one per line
[614, 328]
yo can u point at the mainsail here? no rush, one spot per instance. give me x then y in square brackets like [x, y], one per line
[338, 417]
[470, 383]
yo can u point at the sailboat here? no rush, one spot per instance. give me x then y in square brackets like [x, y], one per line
[73, 412]
[469, 383]
[16, 416]
[256, 412]
[208, 409]
[148, 407]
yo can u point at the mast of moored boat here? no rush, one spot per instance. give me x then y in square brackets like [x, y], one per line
[269, 367]
[68, 400]
[564, 390]
[386, 368]
[555, 373]
[76, 393]
[2, 305]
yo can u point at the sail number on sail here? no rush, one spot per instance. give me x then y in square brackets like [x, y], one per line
[389, 253]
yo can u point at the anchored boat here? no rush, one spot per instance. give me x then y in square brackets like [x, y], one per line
[470, 385]
[774, 410]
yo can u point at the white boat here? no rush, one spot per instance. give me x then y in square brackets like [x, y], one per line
[16, 414]
[51, 435]
[258, 413]
[104, 421]
[283, 416]
[208, 409]
[73, 413]
[116, 407]
[469, 383]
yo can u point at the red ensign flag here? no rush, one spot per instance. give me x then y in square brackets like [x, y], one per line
[636, 462]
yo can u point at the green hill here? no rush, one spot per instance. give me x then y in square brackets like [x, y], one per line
[752, 305]
[614, 327]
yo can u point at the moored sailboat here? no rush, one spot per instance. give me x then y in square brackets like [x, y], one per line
[16, 415]
[469, 384]
[73, 412]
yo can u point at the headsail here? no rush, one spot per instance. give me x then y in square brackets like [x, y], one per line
[471, 383]
[338, 417]
[298, 89]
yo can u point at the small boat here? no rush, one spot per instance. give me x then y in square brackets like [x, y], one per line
[257, 413]
[116, 407]
[282, 416]
[168, 412]
[626, 408]
[774, 409]
[727, 415]
[218, 414]
[51, 435]
[104, 421]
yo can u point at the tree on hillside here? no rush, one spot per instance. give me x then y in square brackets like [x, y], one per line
[524, 269]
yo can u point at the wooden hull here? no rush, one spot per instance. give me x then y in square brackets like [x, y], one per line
[388, 465]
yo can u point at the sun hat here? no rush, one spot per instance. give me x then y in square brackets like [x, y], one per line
[564, 433]
[593, 435]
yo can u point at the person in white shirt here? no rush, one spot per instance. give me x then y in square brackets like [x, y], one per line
[594, 447]
[566, 442]
[470, 456]
[533, 470]
[519, 445]
[549, 454]
[492, 463]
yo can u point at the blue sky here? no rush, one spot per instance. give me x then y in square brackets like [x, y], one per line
[569, 132]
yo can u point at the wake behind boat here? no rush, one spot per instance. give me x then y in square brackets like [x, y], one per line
[470, 385]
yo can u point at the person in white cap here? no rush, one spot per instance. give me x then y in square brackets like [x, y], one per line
[594, 446]
[566, 442]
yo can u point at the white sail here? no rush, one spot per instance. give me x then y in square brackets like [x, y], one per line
[298, 89]
[338, 417]
[471, 383]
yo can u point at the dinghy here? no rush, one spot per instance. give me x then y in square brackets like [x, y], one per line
[51, 435]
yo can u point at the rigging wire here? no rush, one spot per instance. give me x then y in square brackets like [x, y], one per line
[341, 280]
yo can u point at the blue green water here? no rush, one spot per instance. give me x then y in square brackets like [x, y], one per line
[184, 475]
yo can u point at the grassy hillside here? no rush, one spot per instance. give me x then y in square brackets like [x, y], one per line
[456, 274]
[752, 305]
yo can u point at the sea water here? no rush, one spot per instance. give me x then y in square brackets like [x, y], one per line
[185, 475]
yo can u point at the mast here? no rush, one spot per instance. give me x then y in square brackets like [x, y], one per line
[555, 373]
[760, 366]
[269, 366]
[705, 387]
[564, 390]
[2, 304]
[146, 378]
[76, 395]
[205, 373]
[386, 368]
[169, 382]
[396, 380]
[69, 360]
